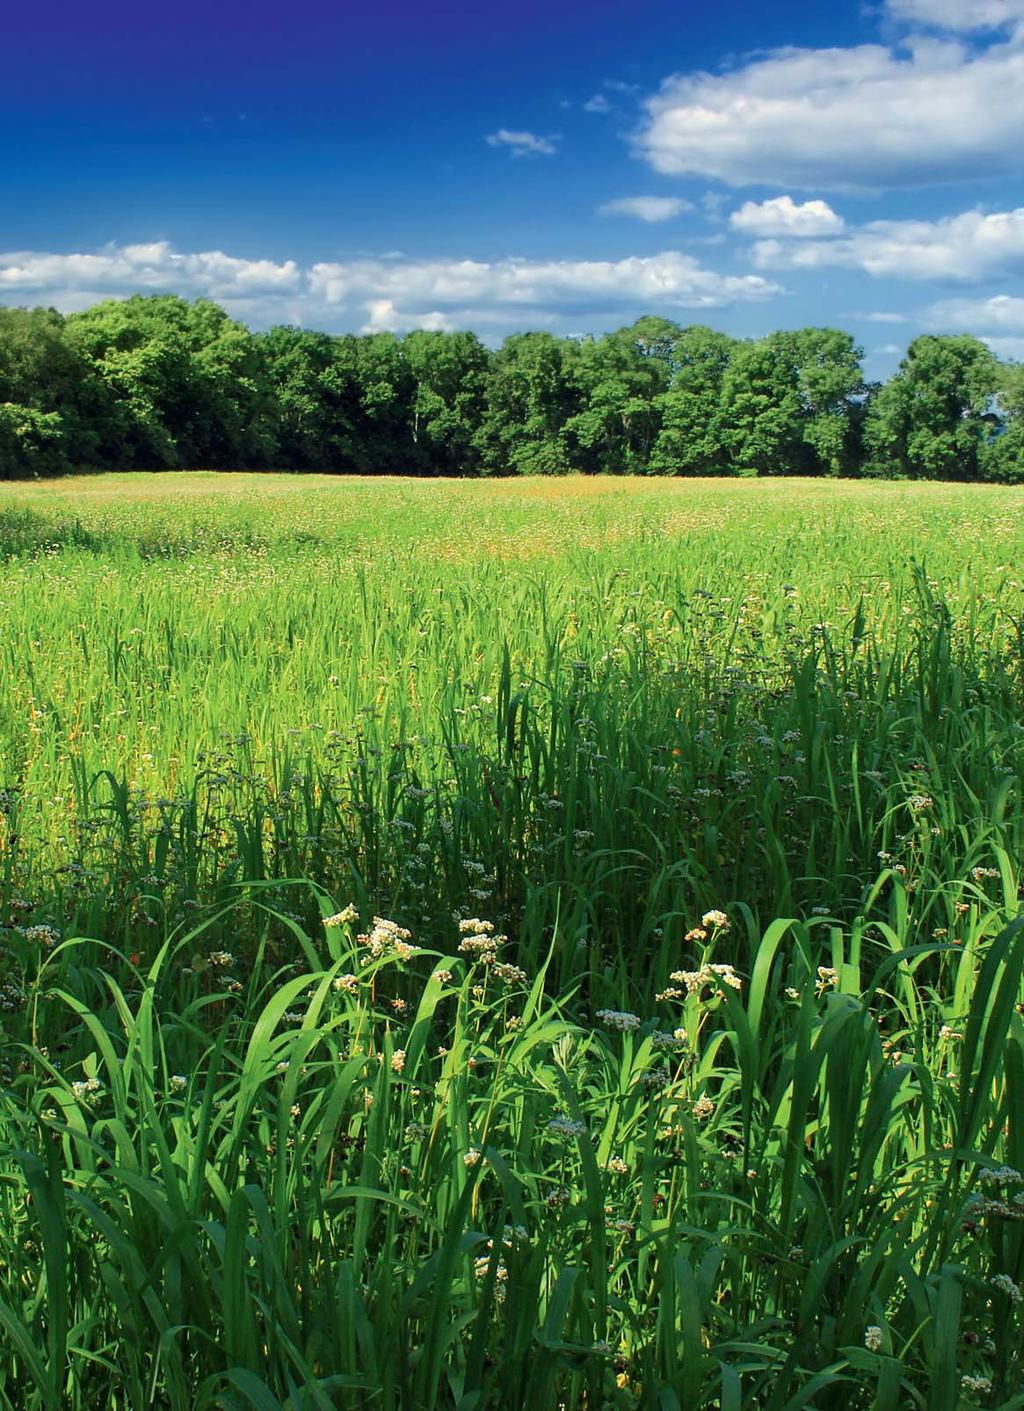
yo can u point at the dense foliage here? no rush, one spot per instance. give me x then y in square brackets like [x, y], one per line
[157, 382]
[725, 1113]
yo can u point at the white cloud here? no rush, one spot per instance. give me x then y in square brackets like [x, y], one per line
[998, 321]
[598, 104]
[1012, 348]
[147, 268]
[522, 144]
[1002, 313]
[383, 317]
[648, 208]
[782, 216]
[867, 117]
[958, 15]
[669, 280]
[393, 293]
[962, 248]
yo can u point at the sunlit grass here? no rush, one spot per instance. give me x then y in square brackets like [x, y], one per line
[589, 712]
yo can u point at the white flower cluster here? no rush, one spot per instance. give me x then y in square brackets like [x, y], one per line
[661, 1039]
[479, 940]
[1000, 1176]
[1004, 1284]
[43, 935]
[342, 918]
[620, 1019]
[828, 979]
[566, 1127]
[694, 982]
[510, 975]
[386, 938]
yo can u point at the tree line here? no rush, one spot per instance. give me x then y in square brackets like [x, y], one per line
[158, 382]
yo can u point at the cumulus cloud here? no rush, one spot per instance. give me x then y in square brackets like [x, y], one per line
[961, 16]
[384, 317]
[598, 104]
[1011, 348]
[966, 247]
[382, 293]
[147, 268]
[648, 208]
[867, 117]
[998, 321]
[447, 287]
[522, 144]
[783, 216]
[1003, 313]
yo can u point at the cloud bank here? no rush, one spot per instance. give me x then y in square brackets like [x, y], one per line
[382, 293]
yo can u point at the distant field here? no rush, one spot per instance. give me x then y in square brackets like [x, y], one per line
[589, 711]
[532, 515]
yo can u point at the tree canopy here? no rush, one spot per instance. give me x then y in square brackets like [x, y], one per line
[159, 382]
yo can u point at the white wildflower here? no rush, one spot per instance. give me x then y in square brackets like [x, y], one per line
[619, 1019]
[342, 918]
[1004, 1284]
[566, 1127]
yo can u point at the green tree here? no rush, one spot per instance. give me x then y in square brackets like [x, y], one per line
[826, 365]
[1002, 455]
[450, 374]
[790, 403]
[236, 415]
[31, 442]
[761, 412]
[532, 392]
[692, 438]
[41, 372]
[186, 385]
[934, 417]
[619, 378]
[143, 359]
[383, 442]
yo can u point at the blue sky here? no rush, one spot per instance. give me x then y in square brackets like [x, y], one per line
[742, 163]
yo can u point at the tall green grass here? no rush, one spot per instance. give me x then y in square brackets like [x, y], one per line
[590, 714]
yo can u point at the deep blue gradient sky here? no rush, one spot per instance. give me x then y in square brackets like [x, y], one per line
[398, 165]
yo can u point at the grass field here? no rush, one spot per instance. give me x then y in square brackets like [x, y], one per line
[727, 1109]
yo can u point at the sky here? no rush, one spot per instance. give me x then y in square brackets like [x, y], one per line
[549, 164]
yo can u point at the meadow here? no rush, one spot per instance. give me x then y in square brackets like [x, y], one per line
[510, 944]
